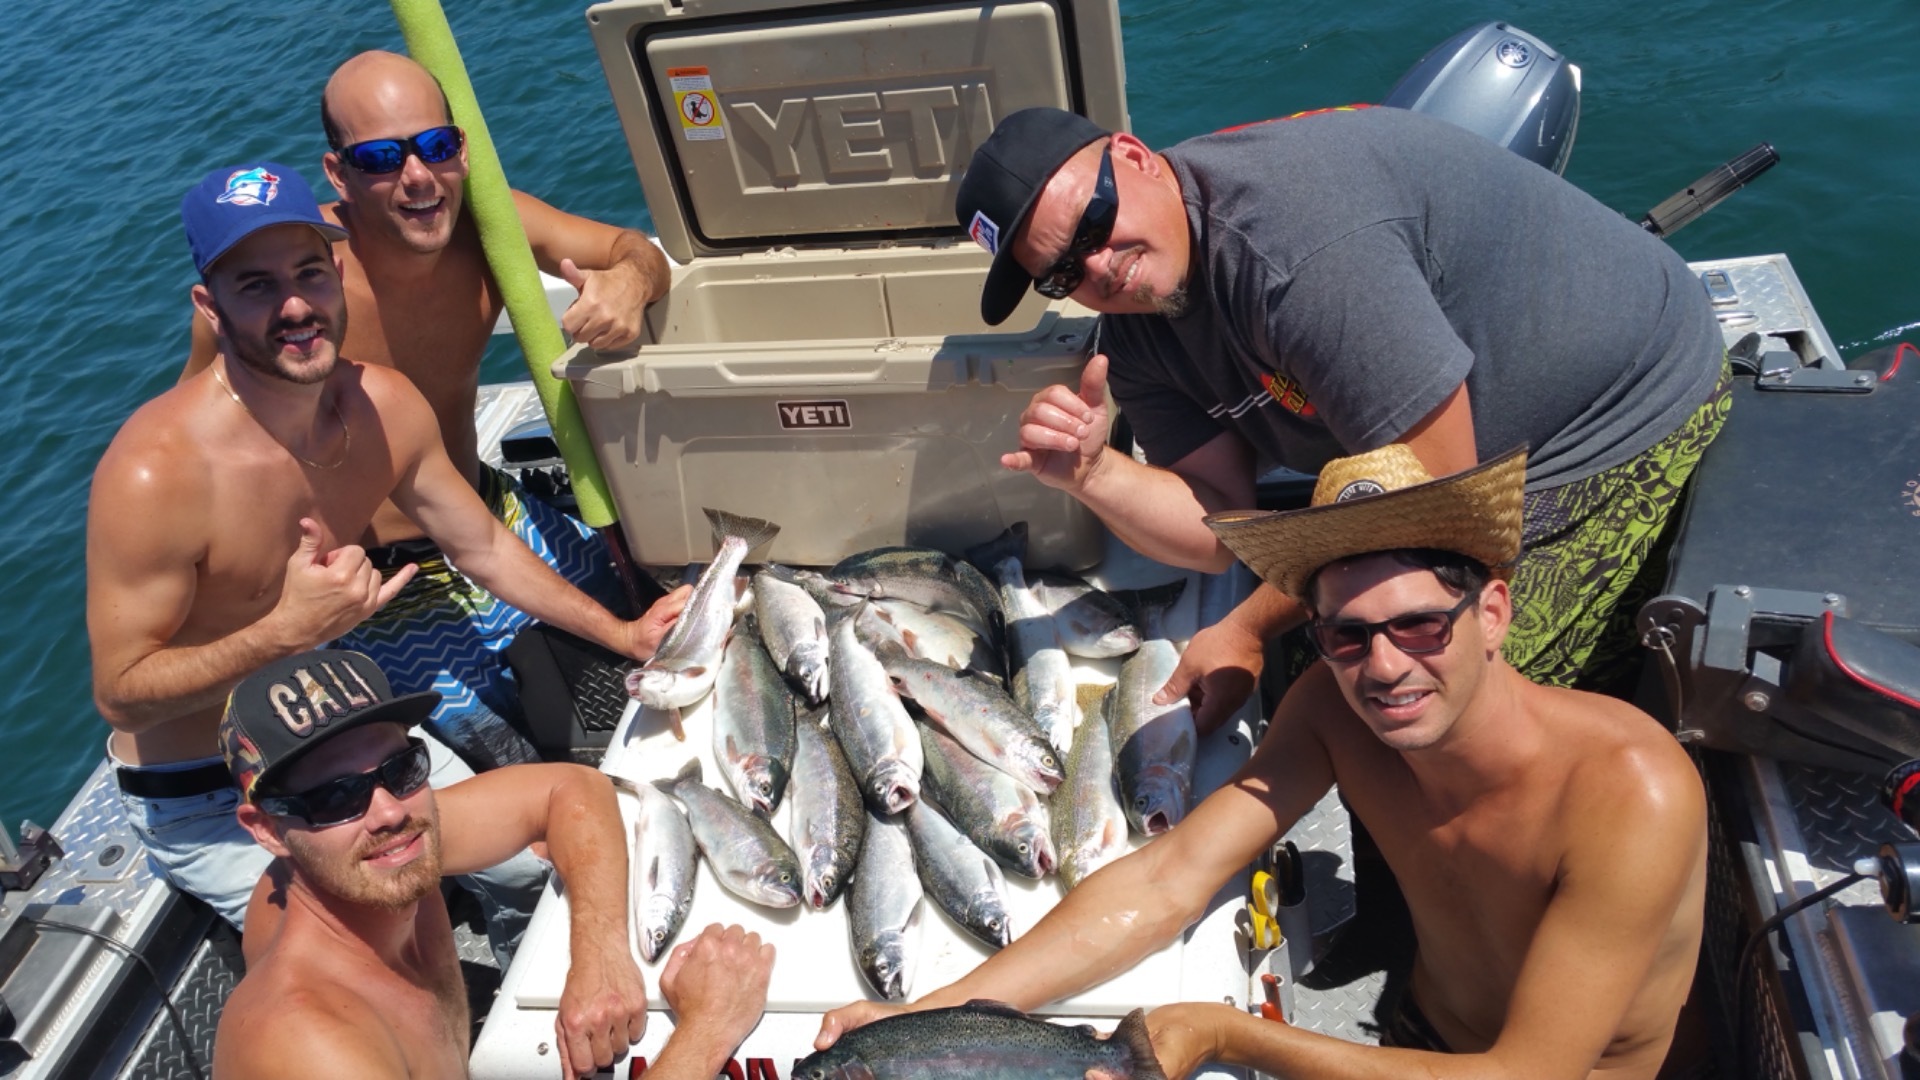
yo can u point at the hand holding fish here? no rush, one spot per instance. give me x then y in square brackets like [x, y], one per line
[603, 1010]
[1187, 1035]
[1063, 432]
[848, 1017]
[1217, 672]
[325, 594]
[716, 986]
[645, 633]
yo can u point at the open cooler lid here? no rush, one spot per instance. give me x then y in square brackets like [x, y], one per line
[768, 123]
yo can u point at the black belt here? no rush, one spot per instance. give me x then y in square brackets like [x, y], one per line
[394, 556]
[174, 783]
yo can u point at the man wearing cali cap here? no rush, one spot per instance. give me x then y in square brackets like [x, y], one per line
[1292, 291]
[357, 974]
[221, 528]
[1552, 843]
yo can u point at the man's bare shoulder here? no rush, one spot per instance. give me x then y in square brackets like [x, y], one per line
[159, 455]
[1625, 763]
[277, 1016]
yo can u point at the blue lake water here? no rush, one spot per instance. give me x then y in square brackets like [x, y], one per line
[107, 117]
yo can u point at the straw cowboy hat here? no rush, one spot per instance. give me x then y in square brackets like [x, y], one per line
[1382, 500]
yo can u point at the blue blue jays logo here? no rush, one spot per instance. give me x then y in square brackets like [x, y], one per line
[253, 187]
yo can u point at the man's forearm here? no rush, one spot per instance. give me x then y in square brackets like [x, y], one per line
[178, 681]
[1290, 1053]
[1155, 512]
[1267, 613]
[511, 571]
[638, 254]
[691, 1053]
[589, 850]
[1105, 926]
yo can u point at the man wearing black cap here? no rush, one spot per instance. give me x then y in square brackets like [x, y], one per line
[358, 975]
[1291, 291]
[1552, 843]
[221, 524]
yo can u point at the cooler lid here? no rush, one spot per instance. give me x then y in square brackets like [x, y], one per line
[807, 123]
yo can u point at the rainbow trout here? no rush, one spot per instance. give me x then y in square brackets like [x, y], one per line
[683, 670]
[984, 1040]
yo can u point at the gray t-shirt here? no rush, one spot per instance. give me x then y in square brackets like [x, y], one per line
[1349, 269]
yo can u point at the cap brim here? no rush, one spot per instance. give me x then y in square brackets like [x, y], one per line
[405, 710]
[1477, 513]
[1007, 284]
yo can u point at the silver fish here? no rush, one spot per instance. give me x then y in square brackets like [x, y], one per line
[1155, 745]
[1001, 815]
[745, 853]
[1089, 825]
[794, 629]
[931, 579]
[662, 869]
[984, 1040]
[883, 908]
[829, 816]
[752, 721]
[683, 670]
[960, 877]
[1043, 682]
[975, 712]
[929, 635]
[1091, 622]
[872, 725]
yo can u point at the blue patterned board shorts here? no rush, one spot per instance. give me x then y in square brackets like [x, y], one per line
[445, 633]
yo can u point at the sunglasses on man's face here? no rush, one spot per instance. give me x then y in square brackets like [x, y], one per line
[1095, 228]
[1417, 633]
[377, 157]
[346, 798]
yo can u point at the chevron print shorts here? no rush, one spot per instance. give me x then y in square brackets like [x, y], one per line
[445, 633]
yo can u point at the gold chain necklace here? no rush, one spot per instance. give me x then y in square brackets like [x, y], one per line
[346, 435]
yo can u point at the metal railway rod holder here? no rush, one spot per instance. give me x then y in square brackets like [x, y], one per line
[22, 865]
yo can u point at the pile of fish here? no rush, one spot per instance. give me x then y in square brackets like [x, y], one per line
[921, 715]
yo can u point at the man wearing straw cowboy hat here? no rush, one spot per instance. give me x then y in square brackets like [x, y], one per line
[1552, 843]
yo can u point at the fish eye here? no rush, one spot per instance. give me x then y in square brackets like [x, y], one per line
[993, 924]
[1047, 760]
[659, 936]
[785, 877]
[1023, 848]
[826, 882]
[1140, 802]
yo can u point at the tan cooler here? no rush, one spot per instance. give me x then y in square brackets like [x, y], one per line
[820, 360]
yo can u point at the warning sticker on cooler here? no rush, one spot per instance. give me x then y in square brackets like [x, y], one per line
[694, 100]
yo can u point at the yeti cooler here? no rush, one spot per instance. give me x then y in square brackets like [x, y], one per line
[820, 359]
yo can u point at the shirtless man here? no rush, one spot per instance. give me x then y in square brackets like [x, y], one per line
[221, 524]
[1552, 843]
[357, 974]
[424, 303]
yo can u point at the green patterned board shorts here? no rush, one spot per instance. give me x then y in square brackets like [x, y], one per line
[1594, 551]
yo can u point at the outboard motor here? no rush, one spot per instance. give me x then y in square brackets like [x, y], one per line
[1501, 82]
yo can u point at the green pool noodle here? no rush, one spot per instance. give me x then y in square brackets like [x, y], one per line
[430, 41]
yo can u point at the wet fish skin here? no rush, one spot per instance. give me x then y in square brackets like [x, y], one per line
[1089, 824]
[929, 635]
[975, 712]
[688, 661]
[1043, 682]
[662, 870]
[961, 878]
[1091, 622]
[794, 629]
[872, 725]
[884, 906]
[753, 721]
[746, 855]
[1002, 816]
[984, 1040]
[929, 578]
[829, 816]
[1154, 745]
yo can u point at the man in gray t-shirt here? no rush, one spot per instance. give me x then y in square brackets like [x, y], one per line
[1298, 290]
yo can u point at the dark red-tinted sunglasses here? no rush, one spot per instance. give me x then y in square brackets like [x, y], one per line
[1416, 633]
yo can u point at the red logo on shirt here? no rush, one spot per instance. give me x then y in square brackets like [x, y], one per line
[1288, 394]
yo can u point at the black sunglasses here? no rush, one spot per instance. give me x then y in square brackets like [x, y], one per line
[1416, 633]
[1096, 226]
[377, 157]
[346, 798]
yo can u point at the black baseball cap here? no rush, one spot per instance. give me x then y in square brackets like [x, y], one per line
[280, 713]
[1002, 183]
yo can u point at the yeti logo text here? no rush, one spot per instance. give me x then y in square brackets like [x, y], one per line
[855, 136]
[814, 414]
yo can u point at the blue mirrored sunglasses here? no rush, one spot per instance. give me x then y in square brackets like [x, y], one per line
[377, 157]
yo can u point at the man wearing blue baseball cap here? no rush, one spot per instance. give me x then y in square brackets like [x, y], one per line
[1294, 291]
[221, 529]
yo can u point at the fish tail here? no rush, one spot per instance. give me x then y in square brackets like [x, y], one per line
[752, 530]
[1010, 544]
[1132, 1033]
[1149, 605]
[690, 771]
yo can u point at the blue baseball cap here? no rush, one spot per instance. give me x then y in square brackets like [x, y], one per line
[231, 203]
